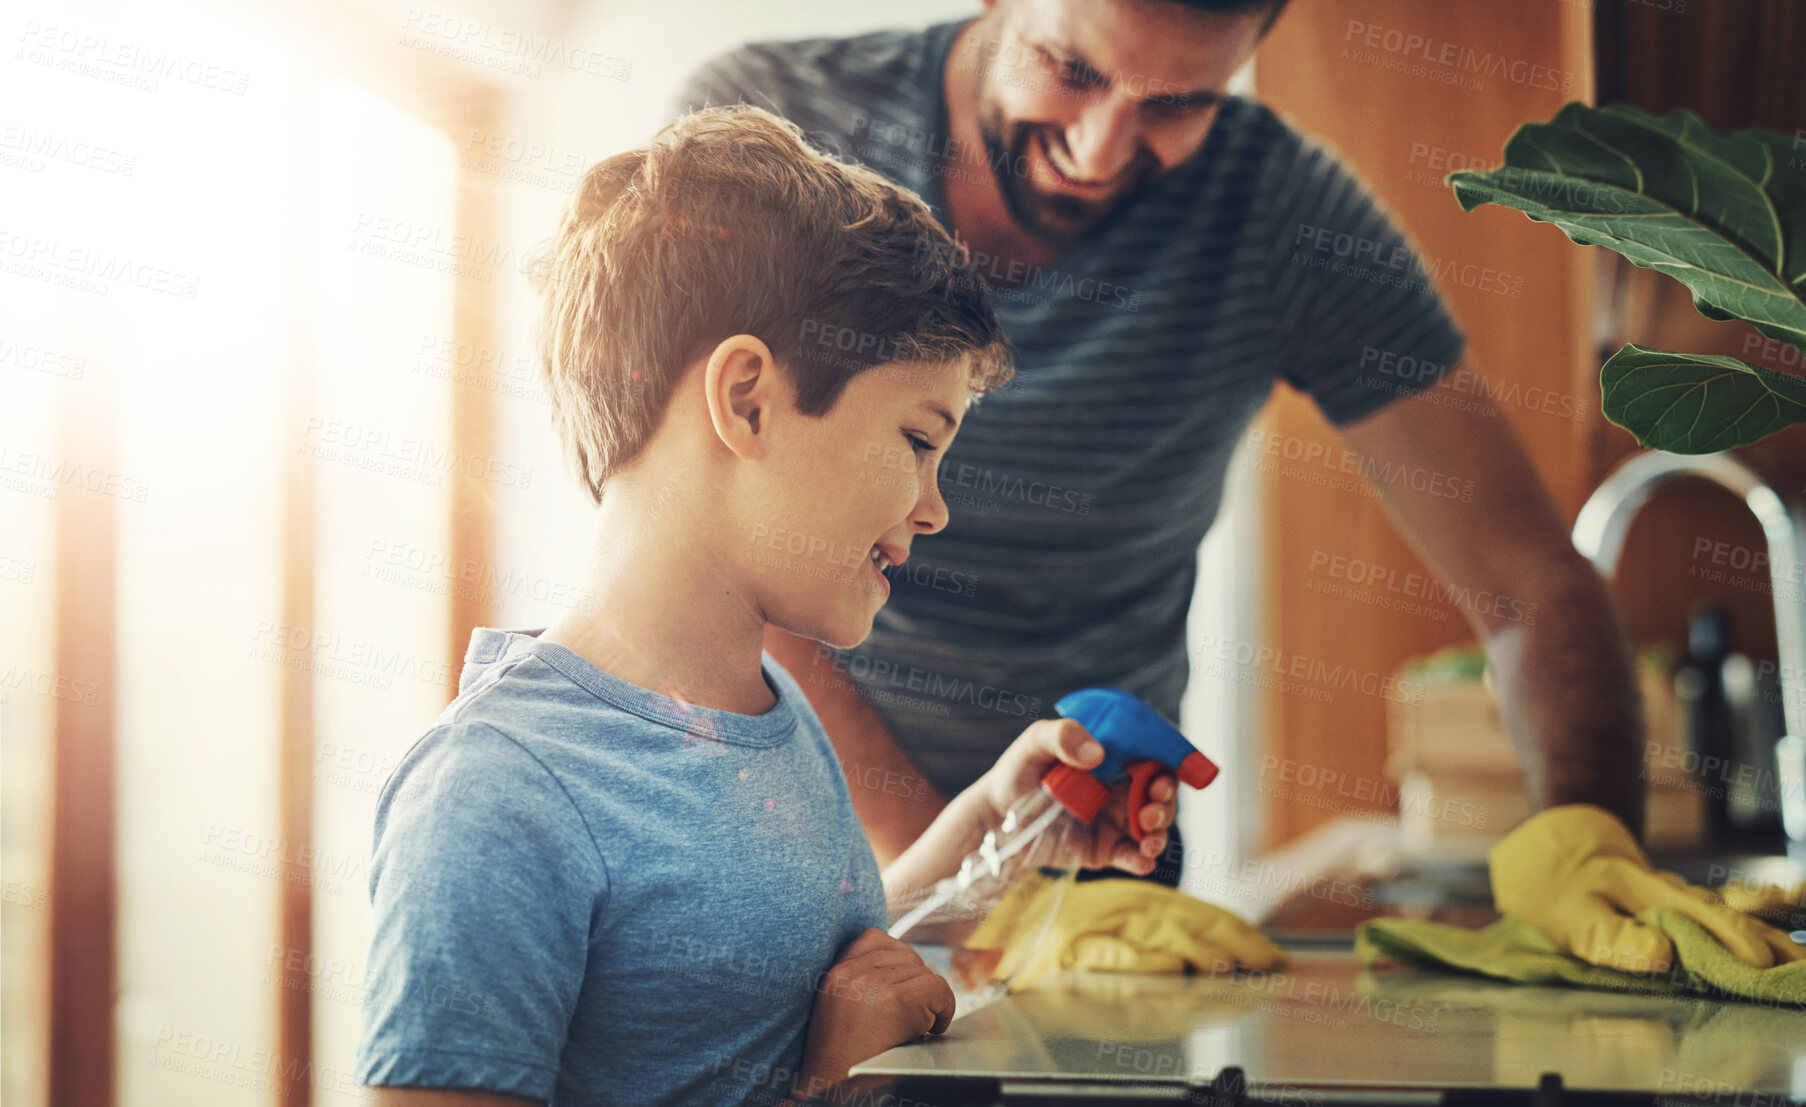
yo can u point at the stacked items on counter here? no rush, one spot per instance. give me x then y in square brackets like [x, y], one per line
[1460, 786]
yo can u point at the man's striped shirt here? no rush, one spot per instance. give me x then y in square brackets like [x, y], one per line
[1080, 492]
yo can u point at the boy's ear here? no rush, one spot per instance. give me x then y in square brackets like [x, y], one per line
[740, 385]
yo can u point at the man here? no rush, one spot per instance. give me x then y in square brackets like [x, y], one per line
[1139, 227]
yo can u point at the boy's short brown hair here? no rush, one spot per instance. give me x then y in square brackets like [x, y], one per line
[728, 223]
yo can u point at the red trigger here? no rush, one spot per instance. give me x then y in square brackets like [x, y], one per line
[1141, 778]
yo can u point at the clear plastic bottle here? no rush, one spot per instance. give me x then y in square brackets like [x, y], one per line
[1038, 833]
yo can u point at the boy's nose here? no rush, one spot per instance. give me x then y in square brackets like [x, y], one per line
[931, 514]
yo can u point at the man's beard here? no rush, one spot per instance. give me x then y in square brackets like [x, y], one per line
[1052, 218]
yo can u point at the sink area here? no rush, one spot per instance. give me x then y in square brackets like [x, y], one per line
[1600, 532]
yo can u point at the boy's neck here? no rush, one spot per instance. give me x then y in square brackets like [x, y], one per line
[666, 613]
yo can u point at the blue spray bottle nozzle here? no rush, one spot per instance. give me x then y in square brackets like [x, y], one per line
[1136, 740]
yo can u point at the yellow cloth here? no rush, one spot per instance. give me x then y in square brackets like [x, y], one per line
[1116, 926]
[1513, 950]
[1577, 875]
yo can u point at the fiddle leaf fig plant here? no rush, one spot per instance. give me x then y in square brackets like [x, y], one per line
[1723, 212]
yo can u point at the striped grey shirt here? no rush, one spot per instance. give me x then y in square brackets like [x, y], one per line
[1080, 492]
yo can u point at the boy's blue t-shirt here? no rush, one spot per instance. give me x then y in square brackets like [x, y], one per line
[588, 892]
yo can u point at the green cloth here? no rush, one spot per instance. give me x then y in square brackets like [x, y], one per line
[1513, 950]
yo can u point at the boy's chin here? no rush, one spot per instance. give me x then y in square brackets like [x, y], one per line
[846, 637]
[842, 633]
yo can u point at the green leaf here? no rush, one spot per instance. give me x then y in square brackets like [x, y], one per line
[1697, 403]
[1722, 212]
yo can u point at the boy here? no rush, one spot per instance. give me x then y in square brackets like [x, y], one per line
[623, 866]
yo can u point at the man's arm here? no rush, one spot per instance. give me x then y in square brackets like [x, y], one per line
[894, 800]
[1561, 664]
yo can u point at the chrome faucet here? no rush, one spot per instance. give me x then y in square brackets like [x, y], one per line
[1599, 535]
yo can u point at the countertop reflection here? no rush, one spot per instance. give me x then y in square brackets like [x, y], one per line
[1326, 1022]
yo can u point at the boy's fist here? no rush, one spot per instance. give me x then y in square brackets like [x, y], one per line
[879, 994]
[1106, 840]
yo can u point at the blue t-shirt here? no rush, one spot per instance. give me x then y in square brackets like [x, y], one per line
[588, 892]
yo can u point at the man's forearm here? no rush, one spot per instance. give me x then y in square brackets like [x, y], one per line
[1567, 693]
[894, 800]
[1562, 677]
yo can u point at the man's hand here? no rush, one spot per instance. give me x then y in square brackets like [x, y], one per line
[1577, 875]
[1104, 842]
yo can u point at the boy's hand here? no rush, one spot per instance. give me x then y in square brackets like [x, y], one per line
[879, 994]
[1106, 840]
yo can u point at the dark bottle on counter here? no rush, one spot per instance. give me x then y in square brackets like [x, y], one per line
[1705, 713]
[1730, 709]
[1753, 800]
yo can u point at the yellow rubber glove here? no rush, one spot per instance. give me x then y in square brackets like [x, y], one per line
[1117, 926]
[1769, 902]
[1577, 874]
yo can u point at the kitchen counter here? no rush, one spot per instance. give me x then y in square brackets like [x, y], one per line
[1327, 1031]
[1327, 1028]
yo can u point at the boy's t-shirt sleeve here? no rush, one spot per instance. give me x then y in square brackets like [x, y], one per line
[485, 882]
[1359, 319]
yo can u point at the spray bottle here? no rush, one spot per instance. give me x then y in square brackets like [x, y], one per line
[1037, 831]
